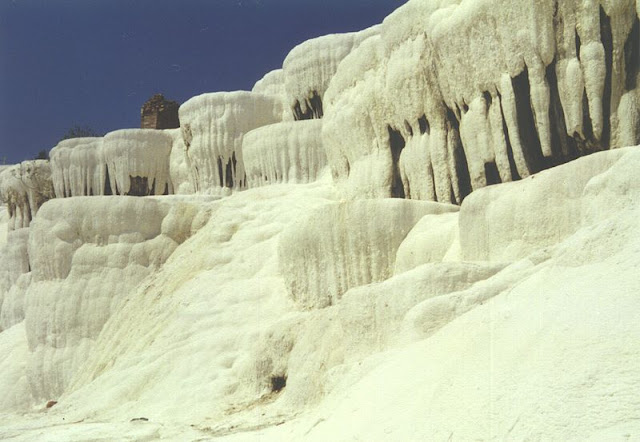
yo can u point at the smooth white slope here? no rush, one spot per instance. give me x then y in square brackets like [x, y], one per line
[544, 348]
[181, 359]
[14, 267]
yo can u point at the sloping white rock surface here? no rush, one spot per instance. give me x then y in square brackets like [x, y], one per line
[346, 245]
[87, 254]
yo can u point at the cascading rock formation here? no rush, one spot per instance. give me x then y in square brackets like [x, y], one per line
[263, 268]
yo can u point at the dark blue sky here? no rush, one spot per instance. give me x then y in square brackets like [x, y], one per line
[94, 62]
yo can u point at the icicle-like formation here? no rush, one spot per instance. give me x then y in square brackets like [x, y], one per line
[213, 126]
[138, 161]
[330, 251]
[78, 167]
[288, 152]
[178, 167]
[309, 67]
[24, 188]
[456, 95]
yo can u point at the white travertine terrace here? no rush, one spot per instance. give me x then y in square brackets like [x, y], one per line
[213, 126]
[288, 152]
[24, 188]
[138, 155]
[78, 167]
[310, 66]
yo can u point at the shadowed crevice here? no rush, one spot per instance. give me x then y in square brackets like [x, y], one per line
[529, 138]
[396, 143]
[607, 41]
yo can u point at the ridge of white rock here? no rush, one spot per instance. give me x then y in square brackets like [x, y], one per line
[508, 222]
[24, 188]
[213, 126]
[450, 98]
[123, 162]
[345, 245]
[288, 152]
[271, 84]
[310, 66]
[435, 238]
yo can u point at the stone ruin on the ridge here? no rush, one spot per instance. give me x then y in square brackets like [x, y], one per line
[159, 113]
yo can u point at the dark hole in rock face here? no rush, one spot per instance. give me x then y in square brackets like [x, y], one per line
[315, 103]
[632, 56]
[563, 147]
[278, 383]
[408, 127]
[396, 142]
[220, 176]
[139, 186]
[51, 404]
[230, 170]
[424, 125]
[313, 108]
[107, 182]
[529, 139]
[491, 173]
[487, 98]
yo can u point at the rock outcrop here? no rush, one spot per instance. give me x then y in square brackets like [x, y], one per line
[454, 97]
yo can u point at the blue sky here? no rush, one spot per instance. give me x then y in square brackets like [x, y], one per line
[94, 62]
